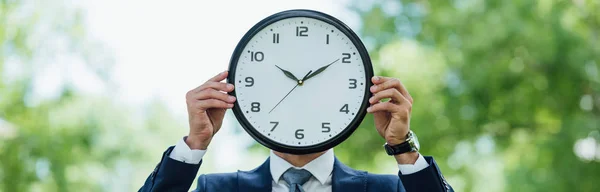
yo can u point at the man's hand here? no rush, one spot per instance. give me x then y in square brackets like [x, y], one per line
[206, 106]
[392, 118]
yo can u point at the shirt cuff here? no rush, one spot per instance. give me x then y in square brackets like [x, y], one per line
[420, 164]
[182, 153]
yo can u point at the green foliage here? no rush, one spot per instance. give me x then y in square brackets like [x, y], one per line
[70, 141]
[504, 92]
[503, 89]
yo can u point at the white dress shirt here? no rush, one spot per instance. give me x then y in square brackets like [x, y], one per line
[321, 168]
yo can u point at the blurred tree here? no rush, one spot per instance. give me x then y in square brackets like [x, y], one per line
[50, 135]
[507, 93]
[53, 136]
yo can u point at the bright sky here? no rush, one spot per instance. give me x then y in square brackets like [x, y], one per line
[165, 48]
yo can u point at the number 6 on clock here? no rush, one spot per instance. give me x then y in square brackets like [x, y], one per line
[302, 80]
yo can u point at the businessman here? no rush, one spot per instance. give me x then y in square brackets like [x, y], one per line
[281, 172]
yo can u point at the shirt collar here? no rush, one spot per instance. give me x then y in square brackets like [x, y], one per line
[320, 168]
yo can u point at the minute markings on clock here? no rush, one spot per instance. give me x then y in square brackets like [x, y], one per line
[310, 139]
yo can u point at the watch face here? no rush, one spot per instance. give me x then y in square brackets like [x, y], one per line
[301, 81]
[416, 142]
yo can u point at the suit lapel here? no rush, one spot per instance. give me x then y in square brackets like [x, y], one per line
[346, 179]
[257, 180]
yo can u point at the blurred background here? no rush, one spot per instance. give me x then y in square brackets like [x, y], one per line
[507, 92]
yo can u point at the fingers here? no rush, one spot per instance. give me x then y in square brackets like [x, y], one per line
[225, 87]
[401, 111]
[392, 94]
[383, 83]
[400, 103]
[203, 105]
[213, 94]
[220, 77]
[383, 106]
[210, 89]
[215, 83]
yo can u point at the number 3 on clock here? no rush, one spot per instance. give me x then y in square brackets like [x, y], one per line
[284, 71]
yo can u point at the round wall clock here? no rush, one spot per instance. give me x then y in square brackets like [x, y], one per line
[301, 80]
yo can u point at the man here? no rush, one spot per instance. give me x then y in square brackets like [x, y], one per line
[281, 172]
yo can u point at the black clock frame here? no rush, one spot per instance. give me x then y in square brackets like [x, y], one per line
[331, 142]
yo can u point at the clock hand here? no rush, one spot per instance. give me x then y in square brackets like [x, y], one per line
[319, 70]
[299, 83]
[288, 74]
[284, 97]
[304, 78]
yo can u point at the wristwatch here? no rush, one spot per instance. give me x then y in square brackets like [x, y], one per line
[410, 145]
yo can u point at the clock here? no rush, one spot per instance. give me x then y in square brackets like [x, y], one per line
[301, 80]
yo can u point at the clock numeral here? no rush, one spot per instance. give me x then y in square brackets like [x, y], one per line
[255, 107]
[326, 128]
[276, 38]
[346, 58]
[299, 134]
[352, 83]
[345, 109]
[257, 56]
[301, 31]
[275, 123]
[327, 39]
[250, 81]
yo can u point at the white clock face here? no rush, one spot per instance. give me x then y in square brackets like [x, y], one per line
[288, 111]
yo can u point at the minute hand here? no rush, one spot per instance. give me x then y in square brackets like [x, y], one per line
[320, 70]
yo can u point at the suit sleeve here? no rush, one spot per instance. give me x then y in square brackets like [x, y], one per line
[429, 179]
[171, 175]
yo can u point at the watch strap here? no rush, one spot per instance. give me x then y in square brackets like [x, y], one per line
[398, 149]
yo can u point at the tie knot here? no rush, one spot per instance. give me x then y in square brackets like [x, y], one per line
[296, 176]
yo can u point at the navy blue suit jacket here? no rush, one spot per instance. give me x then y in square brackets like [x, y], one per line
[172, 175]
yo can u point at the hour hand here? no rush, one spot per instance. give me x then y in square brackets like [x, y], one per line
[288, 74]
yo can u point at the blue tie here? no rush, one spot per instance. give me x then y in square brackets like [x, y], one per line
[296, 178]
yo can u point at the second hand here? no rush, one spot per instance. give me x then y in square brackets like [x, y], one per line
[299, 82]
